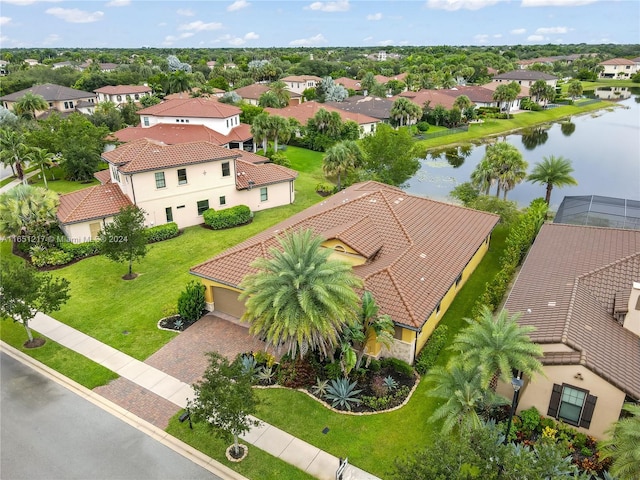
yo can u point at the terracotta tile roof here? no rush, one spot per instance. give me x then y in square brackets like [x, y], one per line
[251, 157]
[434, 97]
[516, 75]
[200, 107]
[50, 92]
[146, 155]
[171, 134]
[569, 281]
[91, 203]
[375, 107]
[123, 89]
[347, 82]
[524, 90]
[304, 111]
[381, 79]
[103, 176]
[252, 92]
[261, 174]
[618, 61]
[422, 245]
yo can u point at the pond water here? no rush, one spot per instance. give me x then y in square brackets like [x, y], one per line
[604, 147]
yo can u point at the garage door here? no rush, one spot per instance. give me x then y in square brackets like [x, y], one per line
[226, 301]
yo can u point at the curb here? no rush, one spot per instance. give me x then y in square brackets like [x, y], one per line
[145, 427]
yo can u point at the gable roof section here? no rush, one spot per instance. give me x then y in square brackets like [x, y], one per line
[261, 174]
[99, 201]
[147, 155]
[103, 176]
[198, 107]
[251, 157]
[347, 82]
[375, 107]
[304, 111]
[50, 92]
[123, 89]
[569, 281]
[524, 75]
[418, 246]
[253, 91]
[434, 97]
[171, 134]
[618, 61]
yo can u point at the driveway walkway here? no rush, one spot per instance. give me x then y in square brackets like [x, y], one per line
[158, 385]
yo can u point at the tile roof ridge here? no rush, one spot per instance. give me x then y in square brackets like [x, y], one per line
[402, 227]
[412, 315]
[609, 265]
[567, 320]
[83, 198]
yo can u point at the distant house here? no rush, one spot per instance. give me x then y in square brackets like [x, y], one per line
[618, 68]
[57, 65]
[412, 253]
[303, 112]
[431, 97]
[349, 83]
[299, 83]
[580, 288]
[492, 86]
[32, 62]
[375, 107]
[174, 183]
[104, 67]
[525, 78]
[121, 94]
[252, 93]
[62, 99]
[4, 67]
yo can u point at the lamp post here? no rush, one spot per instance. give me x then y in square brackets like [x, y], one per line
[516, 383]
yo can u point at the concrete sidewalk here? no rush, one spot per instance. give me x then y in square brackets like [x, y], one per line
[17, 181]
[266, 437]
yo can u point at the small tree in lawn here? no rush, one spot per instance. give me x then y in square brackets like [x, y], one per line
[224, 399]
[25, 292]
[125, 239]
[191, 302]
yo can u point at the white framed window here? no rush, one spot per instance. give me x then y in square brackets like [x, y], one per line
[145, 120]
[572, 405]
[182, 176]
[223, 200]
[264, 194]
[160, 180]
[203, 206]
[226, 169]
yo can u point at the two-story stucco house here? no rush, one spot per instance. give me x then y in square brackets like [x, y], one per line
[121, 94]
[526, 78]
[618, 68]
[174, 183]
[62, 99]
[299, 83]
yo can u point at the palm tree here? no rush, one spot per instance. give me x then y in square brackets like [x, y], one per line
[27, 209]
[260, 130]
[340, 158]
[29, 104]
[498, 345]
[507, 166]
[553, 172]
[179, 81]
[462, 102]
[483, 176]
[507, 94]
[371, 328]
[300, 299]
[399, 109]
[538, 89]
[624, 445]
[279, 89]
[13, 151]
[575, 88]
[42, 158]
[278, 129]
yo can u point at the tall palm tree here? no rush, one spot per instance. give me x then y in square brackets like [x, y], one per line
[498, 345]
[279, 89]
[553, 172]
[372, 327]
[13, 151]
[29, 104]
[42, 158]
[462, 102]
[300, 299]
[399, 109]
[179, 81]
[483, 176]
[624, 445]
[340, 158]
[506, 93]
[260, 130]
[538, 89]
[278, 128]
[507, 166]
[27, 209]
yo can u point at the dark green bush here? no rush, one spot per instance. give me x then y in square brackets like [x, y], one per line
[191, 302]
[162, 232]
[45, 257]
[81, 250]
[230, 217]
[530, 420]
[398, 365]
[429, 353]
[422, 126]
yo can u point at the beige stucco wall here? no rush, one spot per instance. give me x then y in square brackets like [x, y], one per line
[81, 232]
[220, 125]
[538, 394]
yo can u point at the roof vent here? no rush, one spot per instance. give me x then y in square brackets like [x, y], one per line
[423, 255]
[551, 304]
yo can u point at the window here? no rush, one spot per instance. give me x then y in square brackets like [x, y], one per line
[182, 176]
[203, 206]
[169, 214]
[458, 280]
[115, 173]
[136, 96]
[119, 98]
[264, 196]
[227, 123]
[223, 200]
[146, 121]
[160, 182]
[180, 206]
[572, 404]
[438, 308]
[226, 171]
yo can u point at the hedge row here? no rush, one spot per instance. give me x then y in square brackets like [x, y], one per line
[520, 238]
[227, 218]
[162, 232]
[429, 354]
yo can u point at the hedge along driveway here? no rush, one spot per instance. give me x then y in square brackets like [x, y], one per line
[124, 314]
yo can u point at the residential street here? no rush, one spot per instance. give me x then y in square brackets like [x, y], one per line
[50, 433]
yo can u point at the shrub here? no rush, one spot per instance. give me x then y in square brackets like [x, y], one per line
[296, 373]
[342, 394]
[324, 188]
[378, 387]
[45, 257]
[398, 365]
[374, 365]
[81, 250]
[191, 302]
[333, 370]
[429, 353]
[320, 388]
[162, 232]
[280, 158]
[422, 126]
[264, 358]
[230, 217]
[266, 374]
[530, 420]
[390, 383]
[248, 365]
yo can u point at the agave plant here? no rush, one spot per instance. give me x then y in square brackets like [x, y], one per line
[390, 383]
[343, 394]
[249, 365]
[266, 374]
[320, 388]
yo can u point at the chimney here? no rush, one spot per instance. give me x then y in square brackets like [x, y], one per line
[632, 319]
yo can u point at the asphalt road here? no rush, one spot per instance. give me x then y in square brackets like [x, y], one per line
[48, 432]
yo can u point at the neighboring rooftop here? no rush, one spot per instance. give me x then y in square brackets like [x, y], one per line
[123, 89]
[304, 111]
[524, 75]
[375, 107]
[50, 92]
[171, 134]
[599, 211]
[99, 201]
[618, 61]
[198, 107]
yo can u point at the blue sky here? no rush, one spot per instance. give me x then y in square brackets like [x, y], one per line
[297, 23]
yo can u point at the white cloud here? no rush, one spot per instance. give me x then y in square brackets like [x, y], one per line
[200, 26]
[551, 30]
[119, 3]
[556, 3]
[385, 43]
[237, 41]
[170, 39]
[251, 36]
[51, 39]
[518, 31]
[185, 12]
[481, 38]
[535, 38]
[74, 15]
[374, 16]
[452, 5]
[309, 42]
[337, 6]
[238, 5]
[497, 35]
[5, 20]
[367, 39]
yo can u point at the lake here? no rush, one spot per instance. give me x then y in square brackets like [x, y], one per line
[604, 147]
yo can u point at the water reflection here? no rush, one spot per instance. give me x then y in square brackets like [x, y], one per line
[568, 127]
[612, 93]
[534, 137]
[455, 156]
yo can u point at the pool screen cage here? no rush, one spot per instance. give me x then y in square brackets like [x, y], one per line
[597, 211]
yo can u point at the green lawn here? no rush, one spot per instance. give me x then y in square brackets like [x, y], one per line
[372, 442]
[59, 185]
